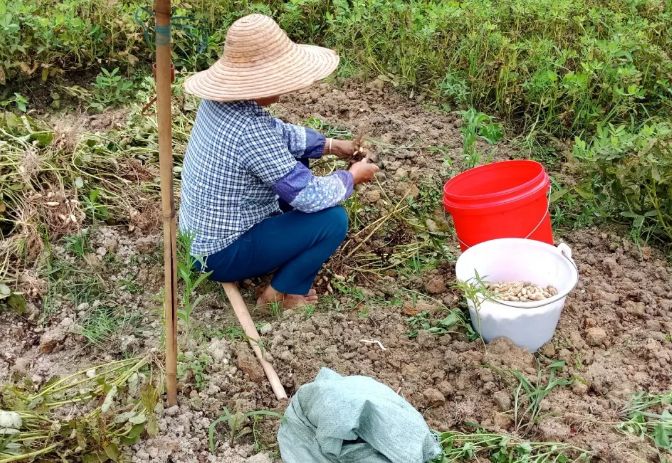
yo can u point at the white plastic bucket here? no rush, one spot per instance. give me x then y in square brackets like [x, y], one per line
[528, 324]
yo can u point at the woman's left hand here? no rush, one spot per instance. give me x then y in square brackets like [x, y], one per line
[344, 149]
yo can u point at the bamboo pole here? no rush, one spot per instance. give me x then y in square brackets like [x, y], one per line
[250, 330]
[164, 79]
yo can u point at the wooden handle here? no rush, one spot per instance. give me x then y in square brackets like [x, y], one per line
[250, 330]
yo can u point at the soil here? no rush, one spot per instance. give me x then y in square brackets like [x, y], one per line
[614, 333]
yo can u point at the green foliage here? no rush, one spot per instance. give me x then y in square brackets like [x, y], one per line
[110, 89]
[477, 125]
[102, 323]
[563, 67]
[193, 369]
[78, 244]
[650, 415]
[529, 394]
[630, 173]
[191, 279]
[455, 321]
[558, 65]
[482, 445]
[238, 425]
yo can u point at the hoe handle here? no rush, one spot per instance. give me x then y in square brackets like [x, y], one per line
[245, 320]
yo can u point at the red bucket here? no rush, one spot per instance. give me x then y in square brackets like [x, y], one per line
[506, 199]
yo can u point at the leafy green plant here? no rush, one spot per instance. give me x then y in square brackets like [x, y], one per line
[17, 100]
[454, 322]
[454, 88]
[110, 89]
[529, 394]
[475, 291]
[630, 173]
[482, 445]
[78, 244]
[477, 125]
[650, 415]
[238, 425]
[193, 369]
[93, 206]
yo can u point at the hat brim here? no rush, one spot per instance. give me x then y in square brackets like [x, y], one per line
[300, 68]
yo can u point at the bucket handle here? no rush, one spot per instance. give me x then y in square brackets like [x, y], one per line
[566, 252]
[536, 227]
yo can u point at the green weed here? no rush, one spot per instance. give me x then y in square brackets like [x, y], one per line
[309, 311]
[650, 415]
[276, 309]
[78, 244]
[528, 395]
[477, 125]
[238, 425]
[110, 89]
[329, 130]
[102, 323]
[193, 369]
[482, 445]
[454, 322]
[630, 175]
[191, 279]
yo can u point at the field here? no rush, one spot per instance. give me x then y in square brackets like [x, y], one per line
[436, 87]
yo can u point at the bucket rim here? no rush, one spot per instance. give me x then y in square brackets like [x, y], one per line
[487, 206]
[541, 179]
[561, 249]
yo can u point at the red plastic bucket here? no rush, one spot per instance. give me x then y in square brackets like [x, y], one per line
[506, 199]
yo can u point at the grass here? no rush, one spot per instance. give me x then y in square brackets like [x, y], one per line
[650, 415]
[481, 445]
[529, 394]
[103, 322]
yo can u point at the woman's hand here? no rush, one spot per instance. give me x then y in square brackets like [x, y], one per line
[344, 149]
[363, 171]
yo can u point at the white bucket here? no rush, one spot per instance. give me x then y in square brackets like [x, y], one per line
[528, 324]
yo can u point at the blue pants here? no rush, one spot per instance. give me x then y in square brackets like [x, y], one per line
[293, 244]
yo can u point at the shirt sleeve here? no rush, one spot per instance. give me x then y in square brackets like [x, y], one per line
[302, 142]
[265, 154]
[308, 193]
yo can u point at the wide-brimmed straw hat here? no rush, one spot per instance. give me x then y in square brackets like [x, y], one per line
[260, 61]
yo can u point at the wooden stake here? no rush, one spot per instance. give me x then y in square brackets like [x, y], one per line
[250, 330]
[163, 109]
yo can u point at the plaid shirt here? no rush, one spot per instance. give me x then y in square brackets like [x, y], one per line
[238, 162]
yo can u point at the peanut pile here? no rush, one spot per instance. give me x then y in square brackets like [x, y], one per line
[520, 291]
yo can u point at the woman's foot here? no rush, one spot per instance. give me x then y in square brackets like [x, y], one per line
[288, 301]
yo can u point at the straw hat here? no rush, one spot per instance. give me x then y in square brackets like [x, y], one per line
[260, 61]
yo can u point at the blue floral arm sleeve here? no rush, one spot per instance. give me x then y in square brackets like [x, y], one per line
[308, 193]
[302, 142]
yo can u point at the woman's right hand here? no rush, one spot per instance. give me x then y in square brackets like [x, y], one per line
[363, 171]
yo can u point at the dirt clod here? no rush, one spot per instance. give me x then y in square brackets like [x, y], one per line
[596, 336]
[435, 285]
[433, 396]
[246, 361]
[503, 400]
[52, 338]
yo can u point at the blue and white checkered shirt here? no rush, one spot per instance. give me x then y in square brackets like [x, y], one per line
[238, 162]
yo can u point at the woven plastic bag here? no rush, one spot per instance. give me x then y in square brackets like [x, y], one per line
[348, 419]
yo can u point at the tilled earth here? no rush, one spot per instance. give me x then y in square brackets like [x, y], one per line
[614, 333]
